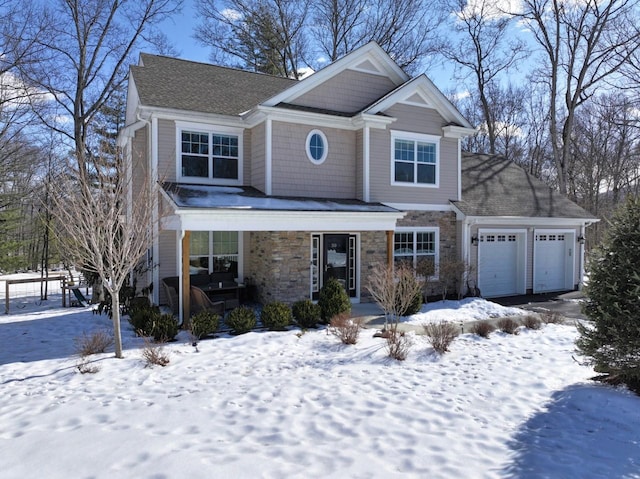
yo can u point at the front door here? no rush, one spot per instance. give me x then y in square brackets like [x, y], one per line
[335, 257]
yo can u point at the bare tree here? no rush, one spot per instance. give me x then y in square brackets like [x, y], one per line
[266, 36]
[585, 45]
[104, 232]
[484, 51]
[84, 57]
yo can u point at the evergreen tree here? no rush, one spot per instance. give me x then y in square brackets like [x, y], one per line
[612, 342]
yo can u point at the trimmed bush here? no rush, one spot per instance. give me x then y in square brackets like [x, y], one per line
[276, 316]
[204, 323]
[483, 329]
[414, 306]
[164, 327]
[333, 300]
[306, 313]
[141, 319]
[241, 320]
[398, 344]
[441, 335]
[531, 322]
[508, 325]
[551, 317]
[345, 328]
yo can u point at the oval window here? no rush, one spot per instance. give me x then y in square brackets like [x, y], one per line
[317, 146]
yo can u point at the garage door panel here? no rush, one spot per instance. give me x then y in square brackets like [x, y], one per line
[550, 262]
[498, 264]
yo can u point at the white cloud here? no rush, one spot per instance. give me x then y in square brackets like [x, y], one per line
[490, 9]
[231, 14]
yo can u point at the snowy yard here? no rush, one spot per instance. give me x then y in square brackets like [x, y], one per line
[277, 405]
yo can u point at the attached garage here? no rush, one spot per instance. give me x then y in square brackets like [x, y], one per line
[501, 262]
[553, 260]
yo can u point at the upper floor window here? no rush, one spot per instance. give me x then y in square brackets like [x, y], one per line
[317, 146]
[209, 155]
[414, 159]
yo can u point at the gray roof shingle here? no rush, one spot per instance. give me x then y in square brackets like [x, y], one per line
[495, 186]
[185, 85]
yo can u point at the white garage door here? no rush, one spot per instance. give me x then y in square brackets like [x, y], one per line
[551, 256]
[498, 264]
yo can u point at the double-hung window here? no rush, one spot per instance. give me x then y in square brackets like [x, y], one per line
[209, 154]
[418, 248]
[214, 252]
[414, 159]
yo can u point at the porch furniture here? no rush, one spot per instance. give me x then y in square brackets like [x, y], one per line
[171, 289]
[217, 286]
[201, 302]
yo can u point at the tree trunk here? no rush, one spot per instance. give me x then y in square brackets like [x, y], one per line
[115, 316]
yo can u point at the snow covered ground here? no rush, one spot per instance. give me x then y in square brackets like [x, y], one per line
[278, 405]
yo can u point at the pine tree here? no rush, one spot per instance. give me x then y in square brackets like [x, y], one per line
[612, 343]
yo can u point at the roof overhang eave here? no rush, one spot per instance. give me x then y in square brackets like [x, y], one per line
[240, 219]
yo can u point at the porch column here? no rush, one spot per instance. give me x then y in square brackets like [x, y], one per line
[390, 248]
[186, 280]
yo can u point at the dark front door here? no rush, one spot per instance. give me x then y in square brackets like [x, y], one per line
[337, 259]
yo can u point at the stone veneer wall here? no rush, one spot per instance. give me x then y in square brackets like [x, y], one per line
[446, 221]
[279, 265]
[373, 251]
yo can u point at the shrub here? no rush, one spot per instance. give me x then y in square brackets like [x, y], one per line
[276, 316]
[204, 323]
[483, 329]
[531, 322]
[414, 306]
[508, 325]
[398, 344]
[441, 335]
[241, 320]
[94, 343]
[307, 314]
[164, 327]
[345, 328]
[154, 355]
[333, 300]
[141, 319]
[551, 317]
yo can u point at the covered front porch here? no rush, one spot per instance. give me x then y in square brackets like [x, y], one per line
[285, 248]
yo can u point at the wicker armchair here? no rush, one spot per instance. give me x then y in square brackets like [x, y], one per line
[201, 302]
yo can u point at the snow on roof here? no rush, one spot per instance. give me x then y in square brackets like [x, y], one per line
[225, 197]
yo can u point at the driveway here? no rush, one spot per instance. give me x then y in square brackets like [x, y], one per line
[567, 304]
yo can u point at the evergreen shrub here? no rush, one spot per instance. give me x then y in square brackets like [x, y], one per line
[333, 300]
[276, 316]
[164, 327]
[204, 323]
[241, 320]
[307, 314]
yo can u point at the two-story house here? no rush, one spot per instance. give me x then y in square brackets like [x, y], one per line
[288, 182]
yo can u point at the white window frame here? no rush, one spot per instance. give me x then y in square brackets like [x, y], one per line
[414, 137]
[211, 255]
[209, 130]
[436, 237]
[325, 151]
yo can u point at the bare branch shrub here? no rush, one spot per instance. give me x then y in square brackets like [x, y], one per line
[508, 325]
[94, 343]
[154, 354]
[84, 367]
[441, 335]
[531, 322]
[451, 273]
[398, 344]
[551, 317]
[394, 289]
[345, 328]
[483, 329]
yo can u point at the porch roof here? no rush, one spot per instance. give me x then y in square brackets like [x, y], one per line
[208, 207]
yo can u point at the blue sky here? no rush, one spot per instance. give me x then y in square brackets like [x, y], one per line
[180, 31]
